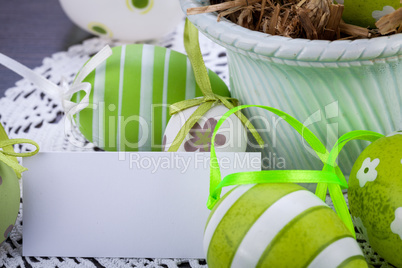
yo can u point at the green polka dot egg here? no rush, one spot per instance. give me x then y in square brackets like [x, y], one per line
[9, 200]
[131, 92]
[277, 225]
[127, 20]
[366, 13]
[375, 196]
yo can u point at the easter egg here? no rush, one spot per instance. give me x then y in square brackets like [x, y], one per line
[367, 13]
[9, 200]
[277, 225]
[127, 20]
[231, 136]
[375, 196]
[131, 92]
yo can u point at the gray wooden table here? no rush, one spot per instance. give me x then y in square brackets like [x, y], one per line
[31, 31]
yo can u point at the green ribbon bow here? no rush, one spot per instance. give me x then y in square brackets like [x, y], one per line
[7, 154]
[210, 99]
[330, 177]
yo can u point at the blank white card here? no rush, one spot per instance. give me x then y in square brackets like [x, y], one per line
[110, 204]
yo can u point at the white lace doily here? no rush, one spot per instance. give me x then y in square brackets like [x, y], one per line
[28, 112]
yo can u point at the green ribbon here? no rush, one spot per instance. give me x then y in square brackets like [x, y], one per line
[7, 154]
[192, 46]
[321, 189]
[313, 141]
[334, 190]
[330, 177]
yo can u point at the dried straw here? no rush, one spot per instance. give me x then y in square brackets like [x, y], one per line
[311, 19]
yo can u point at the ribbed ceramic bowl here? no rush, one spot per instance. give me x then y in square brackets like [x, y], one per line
[333, 87]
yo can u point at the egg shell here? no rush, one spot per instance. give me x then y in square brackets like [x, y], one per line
[375, 196]
[131, 93]
[9, 200]
[231, 136]
[277, 225]
[126, 20]
[365, 13]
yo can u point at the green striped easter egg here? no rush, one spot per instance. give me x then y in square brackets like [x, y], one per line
[277, 225]
[131, 92]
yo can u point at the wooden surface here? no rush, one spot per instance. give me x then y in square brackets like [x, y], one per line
[31, 31]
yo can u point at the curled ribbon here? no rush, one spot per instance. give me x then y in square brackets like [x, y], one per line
[7, 154]
[334, 190]
[64, 92]
[210, 99]
[329, 165]
[330, 177]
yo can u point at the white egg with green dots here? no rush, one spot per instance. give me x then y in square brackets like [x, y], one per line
[375, 196]
[277, 225]
[9, 200]
[127, 20]
[131, 92]
[366, 13]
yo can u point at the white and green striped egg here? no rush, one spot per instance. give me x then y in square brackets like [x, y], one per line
[9, 200]
[131, 92]
[375, 196]
[366, 13]
[277, 225]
